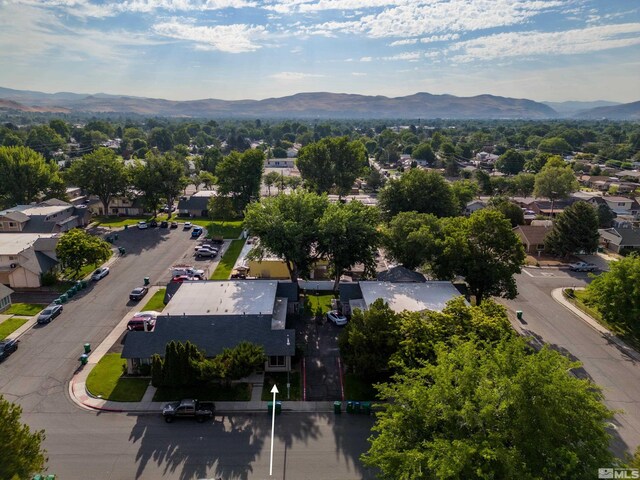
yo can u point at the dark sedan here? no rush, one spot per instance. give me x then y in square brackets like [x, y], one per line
[49, 313]
[138, 293]
[7, 347]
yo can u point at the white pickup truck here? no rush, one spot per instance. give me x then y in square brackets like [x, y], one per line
[583, 267]
[185, 270]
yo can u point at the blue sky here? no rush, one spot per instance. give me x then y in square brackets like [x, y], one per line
[551, 50]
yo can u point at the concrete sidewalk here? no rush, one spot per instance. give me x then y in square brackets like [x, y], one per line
[559, 297]
[81, 397]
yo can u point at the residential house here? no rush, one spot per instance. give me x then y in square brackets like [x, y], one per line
[632, 175]
[550, 208]
[5, 297]
[400, 296]
[626, 209]
[197, 204]
[131, 205]
[280, 162]
[48, 216]
[532, 237]
[617, 239]
[474, 206]
[216, 315]
[24, 257]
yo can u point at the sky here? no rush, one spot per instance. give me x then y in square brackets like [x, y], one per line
[544, 50]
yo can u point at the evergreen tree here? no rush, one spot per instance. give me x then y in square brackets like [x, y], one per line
[157, 373]
[575, 230]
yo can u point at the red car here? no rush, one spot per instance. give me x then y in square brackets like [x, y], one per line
[137, 323]
[183, 278]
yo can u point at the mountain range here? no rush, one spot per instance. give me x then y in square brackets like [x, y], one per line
[317, 105]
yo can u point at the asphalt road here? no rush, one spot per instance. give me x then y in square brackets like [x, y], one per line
[83, 444]
[602, 360]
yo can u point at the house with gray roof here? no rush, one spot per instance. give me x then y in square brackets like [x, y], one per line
[196, 205]
[49, 216]
[5, 297]
[215, 315]
[616, 239]
[24, 257]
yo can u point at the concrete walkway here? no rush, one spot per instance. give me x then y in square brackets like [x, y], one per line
[559, 297]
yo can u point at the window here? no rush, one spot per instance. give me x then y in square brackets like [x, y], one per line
[12, 224]
[621, 204]
[277, 361]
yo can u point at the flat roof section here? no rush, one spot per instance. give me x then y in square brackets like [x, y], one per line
[414, 297]
[14, 243]
[215, 297]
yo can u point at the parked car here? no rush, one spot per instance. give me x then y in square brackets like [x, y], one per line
[100, 273]
[582, 267]
[206, 246]
[49, 313]
[196, 232]
[153, 224]
[336, 317]
[7, 347]
[138, 321]
[174, 224]
[187, 225]
[205, 252]
[184, 278]
[138, 293]
[164, 224]
[142, 225]
[188, 408]
[186, 270]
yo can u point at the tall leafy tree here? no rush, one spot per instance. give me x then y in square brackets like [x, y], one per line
[410, 238]
[271, 179]
[240, 176]
[44, 140]
[499, 412]
[348, 235]
[144, 179]
[169, 173]
[76, 249]
[575, 230]
[464, 191]
[555, 181]
[420, 191]
[288, 226]
[25, 176]
[100, 173]
[510, 210]
[424, 152]
[522, 184]
[510, 162]
[22, 453]
[605, 215]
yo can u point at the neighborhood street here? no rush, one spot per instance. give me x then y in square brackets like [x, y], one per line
[551, 323]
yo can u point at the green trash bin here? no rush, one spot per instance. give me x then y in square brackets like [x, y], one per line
[87, 348]
[349, 406]
[51, 477]
[519, 314]
[356, 407]
[126, 227]
[337, 407]
[110, 239]
[366, 408]
[57, 301]
[115, 236]
[63, 298]
[146, 281]
[84, 284]
[122, 251]
[84, 358]
[71, 292]
[278, 407]
[38, 477]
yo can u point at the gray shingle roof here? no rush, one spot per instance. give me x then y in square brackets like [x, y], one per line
[194, 203]
[288, 290]
[400, 274]
[210, 334]
[349, 291]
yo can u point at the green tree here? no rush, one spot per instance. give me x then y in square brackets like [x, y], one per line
[348, 235]
[370, 339]
[420, 191]
[556, 145]
[555, 182]
[374, 179]
[207, 179]
[424, 152]
[484, 182]
[510, 210]
[25, 176]
[161, 138]
[484, 250]
[410, 238]
[605, 215]
[222, 208]
[157, 375]
[464, 191]
[473, 413]
[100, 173]
[575, 230]
[144, 179]
[240, 176]
[44, 140]
[287, 226]
[22, 453]
[616, 293]
[76, 248]
[169, 174]
[522, 184]
[237, 362]
[271, 179]
[61, 127]
[511, 162]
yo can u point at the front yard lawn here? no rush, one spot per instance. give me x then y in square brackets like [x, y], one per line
[115, 222]
[10, 325]
[237, 392]
[280, 379]
[25, 309]
[106, 381]
[156, 302]
[318, 305]
[357, 389]
[217, 228]
[228, 260]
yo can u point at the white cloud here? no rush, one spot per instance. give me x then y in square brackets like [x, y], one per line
[440, 38]
[235, 38]
[293, 76]
[524, 44]
[358, 74]
[410, 56]
[408, 41]
[366, 59]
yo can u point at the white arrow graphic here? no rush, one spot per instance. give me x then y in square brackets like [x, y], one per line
[274, 390]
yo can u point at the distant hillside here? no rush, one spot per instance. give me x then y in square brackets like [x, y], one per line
[571, 108]
[302, 105]
[626, 111]
[11, 105]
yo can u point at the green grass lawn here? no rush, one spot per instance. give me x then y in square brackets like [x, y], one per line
[319, 304]
[114, 221]
[26, 309]
[11, 325]
[106, 381]
[156, 302]
[217, 228]
[280, 379]
[627, 333]
[238, 392]
[84, 271]
[357, 389]
[228, 260]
